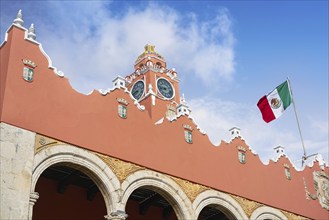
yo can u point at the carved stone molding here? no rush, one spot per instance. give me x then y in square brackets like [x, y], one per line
[118, 215]
[42, 142]
[120, 168]
[248, 206]
[293, 216]
[192, 190]
[34, 196]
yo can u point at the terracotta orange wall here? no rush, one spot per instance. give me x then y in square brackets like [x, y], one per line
[4, 61]
[49, 106]
[73, 204]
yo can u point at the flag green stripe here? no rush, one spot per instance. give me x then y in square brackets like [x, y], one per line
[284, 93]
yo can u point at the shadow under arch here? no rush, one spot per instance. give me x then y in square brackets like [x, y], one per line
[161, 184]
[83, 160]
[265, 212]
[225, 203]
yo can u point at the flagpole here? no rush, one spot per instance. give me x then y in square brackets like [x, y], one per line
[300, 133]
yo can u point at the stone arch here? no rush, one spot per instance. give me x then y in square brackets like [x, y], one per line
[266, 212]
[85, 161]
[161, 184]
[212, 197]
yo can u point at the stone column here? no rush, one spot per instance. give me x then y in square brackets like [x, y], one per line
[118, 215]
[34, 196]
[16, 154]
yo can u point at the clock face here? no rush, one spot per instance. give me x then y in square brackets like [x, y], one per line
[165, 88]
[138, 90]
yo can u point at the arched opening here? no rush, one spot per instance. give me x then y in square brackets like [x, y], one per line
[67, 192]
[215, 212]
[212, 204]
[148, 203]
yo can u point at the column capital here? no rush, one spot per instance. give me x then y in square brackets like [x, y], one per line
[34, 196]
[117, 215]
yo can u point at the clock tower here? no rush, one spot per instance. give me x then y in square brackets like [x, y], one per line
[153, 85]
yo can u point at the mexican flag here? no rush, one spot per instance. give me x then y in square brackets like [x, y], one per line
[273, 104]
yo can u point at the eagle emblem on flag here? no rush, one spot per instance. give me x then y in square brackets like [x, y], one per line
[275, 103]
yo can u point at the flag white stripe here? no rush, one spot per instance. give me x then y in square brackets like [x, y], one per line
[277, 111]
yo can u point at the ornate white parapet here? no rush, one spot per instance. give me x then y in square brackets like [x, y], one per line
[117, 215]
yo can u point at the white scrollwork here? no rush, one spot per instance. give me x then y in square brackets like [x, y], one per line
[139, 106]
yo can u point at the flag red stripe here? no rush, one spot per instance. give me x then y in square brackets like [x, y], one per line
[265, 109]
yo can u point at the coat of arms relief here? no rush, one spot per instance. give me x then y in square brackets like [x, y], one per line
[321, 183]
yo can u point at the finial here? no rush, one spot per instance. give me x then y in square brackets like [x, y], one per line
[149, 48]
[182, 99]
[19, 18]
[31, 33]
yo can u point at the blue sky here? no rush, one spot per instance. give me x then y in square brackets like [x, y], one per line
[228, 54]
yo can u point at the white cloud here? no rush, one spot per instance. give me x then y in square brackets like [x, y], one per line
[94, 45]
[319, 126]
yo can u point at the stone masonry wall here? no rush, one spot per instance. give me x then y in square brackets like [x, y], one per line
[17, 153]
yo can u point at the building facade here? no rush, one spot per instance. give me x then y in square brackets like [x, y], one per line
[130, 152]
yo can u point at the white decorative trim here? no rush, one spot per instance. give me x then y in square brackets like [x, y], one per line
[240, 148]
[265, 212]
[188, 127]
[139, 106]
[122, 101]
[161, 184]
[226, 204]
[29, 63]
[103, 92]
[92, 165]
[159, 122]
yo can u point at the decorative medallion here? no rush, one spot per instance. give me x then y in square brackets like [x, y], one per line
[240, 148]
[188, 136]
[248, 206]
[122, 107]
[171, 112]
[242, 157]
[28, 70]
[29, 63]
[275, 103]
[188, 127]
[287, 171]
[188, 133]
[28, 74]
[120, 168]
[321, 183]
[42, 142]
[122, 101]
[122, 111]
[192, 190]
